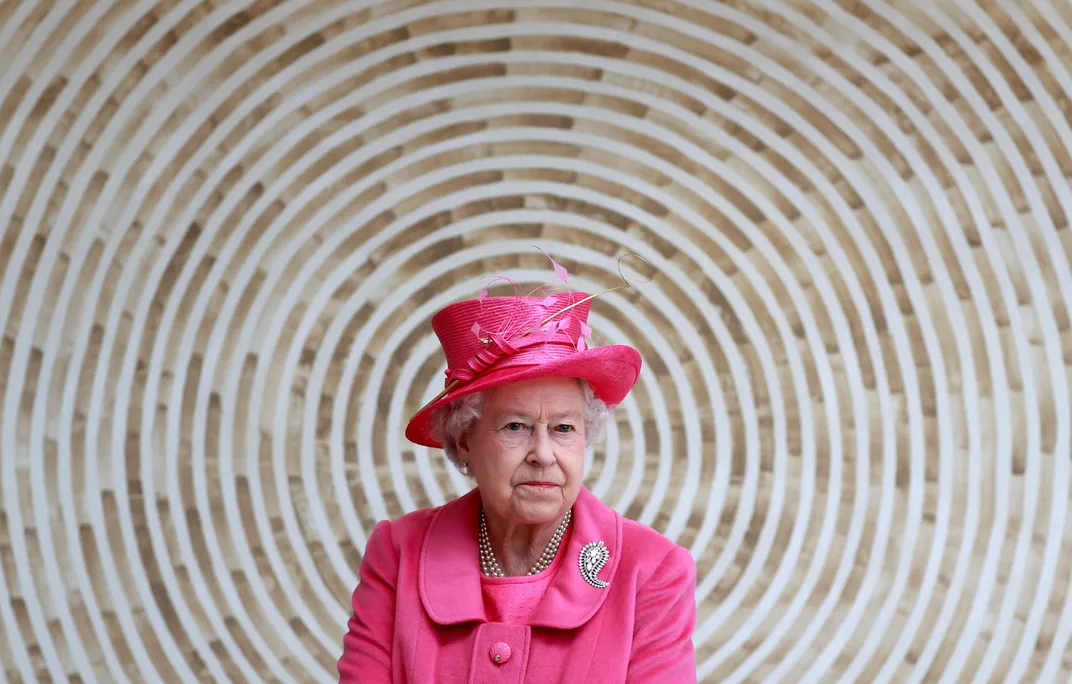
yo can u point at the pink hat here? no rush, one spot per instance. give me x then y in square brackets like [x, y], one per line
[491, 341]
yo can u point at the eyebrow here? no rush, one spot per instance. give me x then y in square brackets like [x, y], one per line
[522, 413]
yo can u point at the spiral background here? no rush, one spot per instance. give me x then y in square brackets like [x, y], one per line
[226, 226]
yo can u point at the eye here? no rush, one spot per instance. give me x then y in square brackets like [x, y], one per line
[565, 428]
[514, 427]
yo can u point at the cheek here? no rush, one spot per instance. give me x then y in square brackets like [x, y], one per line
[499, 458]
[511, 442]
[571, 458]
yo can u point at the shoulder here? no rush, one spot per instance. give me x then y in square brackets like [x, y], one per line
[404, 532]
[646, 551]
[407, 533]
[641, 549]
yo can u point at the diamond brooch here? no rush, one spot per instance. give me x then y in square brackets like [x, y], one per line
[592, 559]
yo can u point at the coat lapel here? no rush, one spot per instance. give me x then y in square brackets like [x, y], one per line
[449, 573]
[570, 601]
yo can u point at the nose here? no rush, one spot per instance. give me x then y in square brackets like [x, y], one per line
[541, 449]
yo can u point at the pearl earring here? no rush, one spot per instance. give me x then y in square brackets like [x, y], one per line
[464, 468]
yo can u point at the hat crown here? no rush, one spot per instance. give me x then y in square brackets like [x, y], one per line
[508, 316]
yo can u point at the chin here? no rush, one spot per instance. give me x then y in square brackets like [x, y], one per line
[548, 508]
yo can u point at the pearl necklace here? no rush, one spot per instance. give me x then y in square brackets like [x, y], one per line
[490, 565]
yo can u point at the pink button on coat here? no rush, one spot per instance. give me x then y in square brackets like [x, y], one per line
[418, 612]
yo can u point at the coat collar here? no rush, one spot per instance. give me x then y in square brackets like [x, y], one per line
[449, 572]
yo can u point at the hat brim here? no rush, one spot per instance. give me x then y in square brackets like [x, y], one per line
[612, 371]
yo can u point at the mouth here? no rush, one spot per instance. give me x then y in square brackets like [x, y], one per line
[540, 485]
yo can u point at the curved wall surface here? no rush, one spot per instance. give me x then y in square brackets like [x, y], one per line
[226, 226]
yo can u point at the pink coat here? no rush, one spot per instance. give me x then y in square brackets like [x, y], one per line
[419, 611]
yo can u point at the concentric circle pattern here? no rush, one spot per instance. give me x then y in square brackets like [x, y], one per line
[226, 226]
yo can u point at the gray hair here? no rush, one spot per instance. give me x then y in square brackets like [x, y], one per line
[454, 419]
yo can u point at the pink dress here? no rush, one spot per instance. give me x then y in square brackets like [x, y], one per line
[514, 600]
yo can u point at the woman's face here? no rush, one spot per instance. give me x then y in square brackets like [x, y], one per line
[526, 450]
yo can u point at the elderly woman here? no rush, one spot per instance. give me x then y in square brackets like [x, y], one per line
[528, 577]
